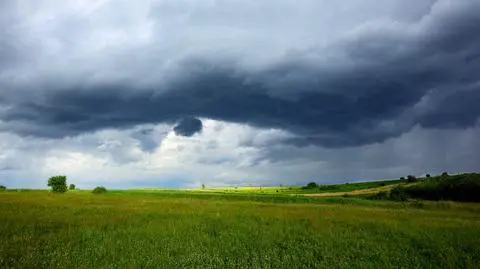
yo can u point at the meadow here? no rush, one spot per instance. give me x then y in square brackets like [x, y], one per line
[199, 229]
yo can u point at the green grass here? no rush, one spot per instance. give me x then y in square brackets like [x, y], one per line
[166, 229]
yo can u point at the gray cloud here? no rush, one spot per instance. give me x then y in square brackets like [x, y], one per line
[372, 79]
[149, 138]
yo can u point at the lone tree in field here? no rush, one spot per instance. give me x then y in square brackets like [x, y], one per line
[2, 188]
[203, 186]
[58, 183]
[427, 175]
[71, 187]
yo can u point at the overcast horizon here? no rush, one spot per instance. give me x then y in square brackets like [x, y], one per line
[178, 93]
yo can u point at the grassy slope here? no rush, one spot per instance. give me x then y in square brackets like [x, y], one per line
[178, 230]
[461, 187]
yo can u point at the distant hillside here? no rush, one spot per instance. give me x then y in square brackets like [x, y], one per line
[462, 187]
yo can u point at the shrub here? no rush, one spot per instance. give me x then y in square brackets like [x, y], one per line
[427, 176]
[58, 183]
[328, 187]
[99, 190]
[411, 179]
[398, 194]
[2, 188]
[383, 195]
[71, 187]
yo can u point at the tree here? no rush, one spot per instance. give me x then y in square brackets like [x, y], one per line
[402, 178]
[58, 183]
[411, 179]
[2, 188]
[427, 175]
[444, 174]
[311, 185]
[71, 187]
[203, 186]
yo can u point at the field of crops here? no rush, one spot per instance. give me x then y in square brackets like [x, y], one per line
[134, 229]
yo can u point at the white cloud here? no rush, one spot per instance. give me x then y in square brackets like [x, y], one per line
[219, 156]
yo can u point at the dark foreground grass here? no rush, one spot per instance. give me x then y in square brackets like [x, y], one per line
[81, 230]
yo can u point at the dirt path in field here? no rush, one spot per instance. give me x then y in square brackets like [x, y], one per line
[355, 192]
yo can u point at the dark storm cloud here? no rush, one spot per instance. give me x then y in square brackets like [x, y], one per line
[188, 126]
[361, 89]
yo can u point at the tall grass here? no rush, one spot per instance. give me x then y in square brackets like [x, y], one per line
[39, 229]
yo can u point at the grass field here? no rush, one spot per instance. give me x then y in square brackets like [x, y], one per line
[148, 229]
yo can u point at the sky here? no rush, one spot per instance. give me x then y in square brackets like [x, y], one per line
[179, 93]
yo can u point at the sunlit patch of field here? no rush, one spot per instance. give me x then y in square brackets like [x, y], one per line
[135, 229]
[251, 189]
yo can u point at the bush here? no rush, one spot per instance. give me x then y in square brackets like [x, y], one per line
[383, 195]
[2, 188]
[71, 187]
[398, 194]
[328, 187]
[411, 179]
[99, 190]
[427, 176]
[58, 183]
